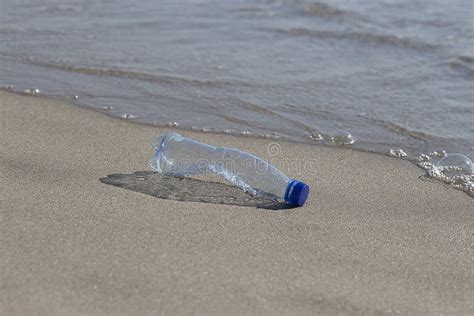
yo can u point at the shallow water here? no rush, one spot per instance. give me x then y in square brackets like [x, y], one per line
[393, 74]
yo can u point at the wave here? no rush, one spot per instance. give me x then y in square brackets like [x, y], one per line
[402, 131]
[465, 63]
[370, 38]
[324, 10]
[109, 72]
[328, 12]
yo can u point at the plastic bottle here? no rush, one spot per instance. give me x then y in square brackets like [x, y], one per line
[180, 156]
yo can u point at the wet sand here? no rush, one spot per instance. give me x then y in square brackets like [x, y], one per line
[372, 239]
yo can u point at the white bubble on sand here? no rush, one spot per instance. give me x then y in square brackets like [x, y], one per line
[314, 136]
[438, 154]
[33, 91]
[127, 116]
[455, 164]
[271, 136]
[422, 157]
[342, 138]
[398, 153]
[454, 169]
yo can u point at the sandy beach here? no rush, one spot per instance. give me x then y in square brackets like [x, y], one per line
[373, 238]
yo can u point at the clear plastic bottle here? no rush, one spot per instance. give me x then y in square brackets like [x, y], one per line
[180, 156]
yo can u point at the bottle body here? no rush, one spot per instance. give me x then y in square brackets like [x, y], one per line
[181, 156]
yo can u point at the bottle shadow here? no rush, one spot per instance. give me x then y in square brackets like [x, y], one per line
[191, 190]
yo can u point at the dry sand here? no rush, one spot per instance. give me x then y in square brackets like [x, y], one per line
[372, 239]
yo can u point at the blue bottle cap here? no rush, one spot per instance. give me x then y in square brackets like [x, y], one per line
[296, 193]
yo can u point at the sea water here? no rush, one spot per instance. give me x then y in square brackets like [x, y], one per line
[380, 76]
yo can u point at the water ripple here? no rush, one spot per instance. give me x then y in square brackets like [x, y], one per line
[371, 38]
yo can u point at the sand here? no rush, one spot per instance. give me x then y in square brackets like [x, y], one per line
[372, 239]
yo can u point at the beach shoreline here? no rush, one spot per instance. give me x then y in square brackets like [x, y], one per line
[372, 239]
